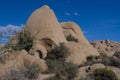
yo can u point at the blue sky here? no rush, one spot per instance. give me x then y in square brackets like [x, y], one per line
[99, 19]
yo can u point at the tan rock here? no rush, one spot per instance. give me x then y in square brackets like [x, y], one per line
[44, 24]
[48, 32]
[84, 48]
[106, 47]
[116, 70]
[1, 46]
[18, 60]
[86, 70]
[76, 55]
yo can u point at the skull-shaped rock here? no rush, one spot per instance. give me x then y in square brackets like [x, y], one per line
[48, 32]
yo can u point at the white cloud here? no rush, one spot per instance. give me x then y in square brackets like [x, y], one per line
[85, 32]
[67, 14]
[9, 30]
[72, 14]
[76, 14]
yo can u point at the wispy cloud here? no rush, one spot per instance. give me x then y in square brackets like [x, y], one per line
[71, 14]
[67, 14]
[9, 30]
[76, 14]
[85, 32]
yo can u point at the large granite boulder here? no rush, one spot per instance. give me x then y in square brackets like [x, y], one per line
[81, 49]
[48, 32]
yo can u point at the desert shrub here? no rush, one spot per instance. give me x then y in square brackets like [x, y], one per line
[1, 37]
[56, 64]
[32, 71]
[104, 74]
[89, 76]
[24, 41]
[71, 38]
[106, 60]
[111, 61]
[58, 52]
[117, 54]
[2, 58]
[67, 71]
[91, 59]
[116, 59]
[13, 75]
[56, 58]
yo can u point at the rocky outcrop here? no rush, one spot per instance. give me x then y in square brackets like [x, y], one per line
[18, 60]
[79, 50]
[48, 32]
[86, 70]
[44, 24]
[106, 47]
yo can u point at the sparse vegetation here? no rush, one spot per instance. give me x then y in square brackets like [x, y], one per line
[1, 36]
[64, 71]
[104, 74]
[116, 59]
[56, 64]
[59, 52]
[14, 75]
[2, 58]
[105, 59]
[71, 38]
[24, 41]
[31, 72]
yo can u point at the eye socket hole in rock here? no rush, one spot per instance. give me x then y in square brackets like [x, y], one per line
[40, 54]
[48, 43]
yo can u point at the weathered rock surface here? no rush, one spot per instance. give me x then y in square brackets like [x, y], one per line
[76, 55]
[116, 70]
[86, 70]
[18, 60]
[44, 24]
[48, 32]
[106, 47]
[79, 50]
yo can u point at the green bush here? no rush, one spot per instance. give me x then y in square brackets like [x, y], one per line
[64, 71]
[56, 64]
[69, 72]
[105, 59]
[31, 72]
[58, 52]
[89, 76]
[2, 58]
[104, 74]
[24, 41]
[116, 59]
[111, 61]
[71, 38]
[13, 75]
